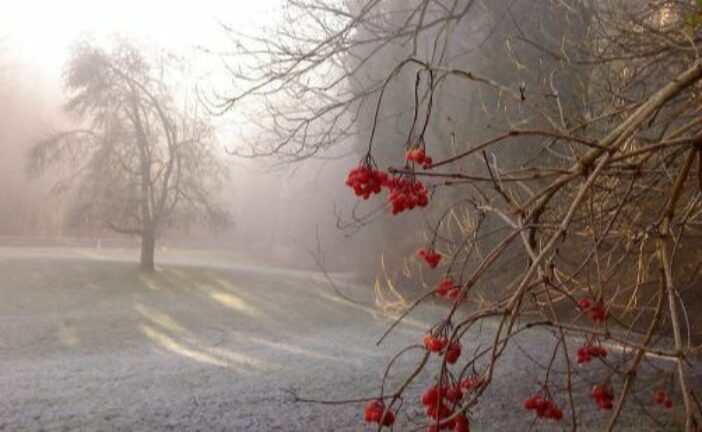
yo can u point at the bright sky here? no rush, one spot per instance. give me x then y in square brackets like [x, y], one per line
[36, 35]
[39, 32]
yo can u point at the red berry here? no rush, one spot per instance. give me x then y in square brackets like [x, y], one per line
[445, 285]
[540, 403]
[440, 411]
[588, 352]
[416, 155]
[603, 397]
[605, 404]
[430, 396]
[660, 397]
[389, 419]
[530, 403]
[454, 293]
[365, 180]
[431, 257]
[454, 394]
[461, 423]
[554, 413]
[584, 303]
[453, 352]
[598, 312]
[583, 358]
[436, 345]
[404, 195]
[545, 408]
[598, 392]
[374, 411]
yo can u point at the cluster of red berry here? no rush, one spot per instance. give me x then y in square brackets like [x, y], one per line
[366, 180]
[603, 396]
[404, 194]
[544, 407]
[435, 401]
[596, 310]
[447, 287]
[434, 344]
[660, 397]
[374, 413]
[437, 345]
[419, 156]
[431, 256]
[588, 352]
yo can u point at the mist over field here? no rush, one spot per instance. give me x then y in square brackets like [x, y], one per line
[344, 215]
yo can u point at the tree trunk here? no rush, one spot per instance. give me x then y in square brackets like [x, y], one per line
[148, 245]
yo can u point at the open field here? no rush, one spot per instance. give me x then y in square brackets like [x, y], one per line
[89, 343]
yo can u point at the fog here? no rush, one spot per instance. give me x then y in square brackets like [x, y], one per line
[297, 215]
[277, 210]
[296, 210]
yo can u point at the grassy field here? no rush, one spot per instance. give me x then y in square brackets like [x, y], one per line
[209, 342]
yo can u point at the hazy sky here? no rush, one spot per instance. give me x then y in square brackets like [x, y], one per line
[36, 35]
[39, 32]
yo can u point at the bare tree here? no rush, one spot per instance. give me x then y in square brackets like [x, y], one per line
[140, 163]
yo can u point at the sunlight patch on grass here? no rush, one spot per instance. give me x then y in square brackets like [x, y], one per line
[161, 319]
[233, 302]
[169, 343]
[242, 359]
[292, 349]
[212, 355]
[67, 335]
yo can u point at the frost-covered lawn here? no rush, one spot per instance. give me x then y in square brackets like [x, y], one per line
[207, 343]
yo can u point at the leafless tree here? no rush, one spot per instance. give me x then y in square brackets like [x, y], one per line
[139, 162]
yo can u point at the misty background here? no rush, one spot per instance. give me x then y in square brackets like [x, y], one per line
[278, 211]
[238, 316]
